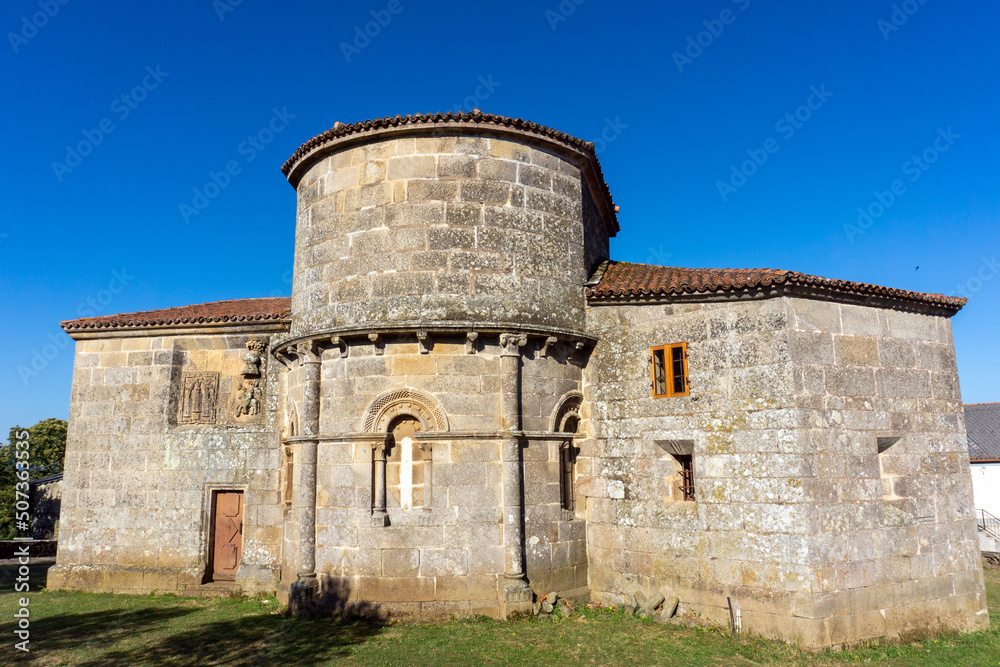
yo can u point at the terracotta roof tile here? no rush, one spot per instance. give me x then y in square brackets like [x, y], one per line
[237, 310]
[626, 280]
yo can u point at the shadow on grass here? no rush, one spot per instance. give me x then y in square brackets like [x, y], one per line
[150, 636]
[263, 639]
[98, 628]
[157, 632]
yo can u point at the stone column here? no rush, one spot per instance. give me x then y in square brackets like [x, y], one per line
[515, 595]
[428, 449]
[304, 589]
[379, 516]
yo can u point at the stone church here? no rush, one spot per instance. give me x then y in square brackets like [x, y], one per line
[466, 403]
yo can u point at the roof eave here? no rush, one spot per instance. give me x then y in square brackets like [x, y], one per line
[179, 329]
[926, 307]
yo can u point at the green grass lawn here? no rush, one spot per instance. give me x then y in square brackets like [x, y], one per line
[99, 629]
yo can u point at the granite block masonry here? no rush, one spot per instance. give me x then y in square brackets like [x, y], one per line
[466, 405]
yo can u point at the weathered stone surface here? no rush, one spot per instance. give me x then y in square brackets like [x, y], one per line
[781, 478]
[445, 386]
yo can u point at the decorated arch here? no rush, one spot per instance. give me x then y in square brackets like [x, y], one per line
[386, 407]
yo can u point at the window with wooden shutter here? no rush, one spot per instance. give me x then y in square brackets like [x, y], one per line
[669, 370]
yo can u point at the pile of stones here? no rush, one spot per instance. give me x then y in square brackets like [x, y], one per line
[552, 604]
[655, 604]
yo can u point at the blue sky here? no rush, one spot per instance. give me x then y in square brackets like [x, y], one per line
[733, 133]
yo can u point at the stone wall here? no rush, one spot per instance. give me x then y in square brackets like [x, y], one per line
[895, 550]
[444, 556]
[461, 228]
[788, 400]
[137, 484]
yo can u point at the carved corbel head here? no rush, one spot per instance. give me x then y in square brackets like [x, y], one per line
[307, 352]
[423, 342]
[378, 343]
[340, 344]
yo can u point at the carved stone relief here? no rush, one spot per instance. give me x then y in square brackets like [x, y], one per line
[248, 388]
[199, 397]
[255, 350]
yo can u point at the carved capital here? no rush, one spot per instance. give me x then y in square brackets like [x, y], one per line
[512, 344]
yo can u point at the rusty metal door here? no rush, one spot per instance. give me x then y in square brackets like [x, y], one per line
[227, 535]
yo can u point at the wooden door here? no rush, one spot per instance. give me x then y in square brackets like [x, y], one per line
[227, 534]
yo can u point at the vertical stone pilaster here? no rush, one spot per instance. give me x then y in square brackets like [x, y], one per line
[515, 595]
[379, 515]
[304, 589]
[428, 449]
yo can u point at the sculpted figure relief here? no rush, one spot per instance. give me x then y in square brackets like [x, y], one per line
[255, 349]
[250, 398]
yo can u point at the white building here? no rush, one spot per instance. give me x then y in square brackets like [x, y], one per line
[982, 423]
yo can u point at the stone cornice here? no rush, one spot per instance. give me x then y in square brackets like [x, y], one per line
[423, 332]
[431, 436]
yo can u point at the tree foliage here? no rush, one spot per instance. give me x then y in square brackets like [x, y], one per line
[46, 451]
